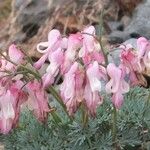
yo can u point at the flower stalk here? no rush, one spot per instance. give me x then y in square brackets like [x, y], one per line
[114, 127]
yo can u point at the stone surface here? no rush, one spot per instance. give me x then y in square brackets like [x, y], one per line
[139, 25]
[27, 16]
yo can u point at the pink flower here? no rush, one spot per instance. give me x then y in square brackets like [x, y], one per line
[117, 85]
[56, 59]
[130, 59]
[92, 90]
[54, 41]
[72, 88]
[38, 100]
[7, 112]
[88, 40]
[91, 50]
[20, 97]
[88, 44]
[10, 102]
[15, 54]
[54, 38]
[74, 43]
[143, 46]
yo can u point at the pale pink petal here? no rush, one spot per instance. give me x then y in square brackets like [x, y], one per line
[64, 43]
[92, 100]
[117, 100]
[41, 46]
[74, 43]
[38, 100]
[41, 61]
[115, 74]
[15, 54]
[72, 88]
[7, 112]
[47, 79]
[89, 40]
[53, 37]
[93, 75]
[56, 59]
[142, 44]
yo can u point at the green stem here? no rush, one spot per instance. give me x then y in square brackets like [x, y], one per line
[35, 74]
[84, 116]
[5, 57]
[100, 38]
[56, 118]
[114, 127]
[59, 100]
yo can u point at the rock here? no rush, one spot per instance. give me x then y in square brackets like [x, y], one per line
[27, 16]
[115, 25]
[139, 25]
[117, 37]
[125, 20]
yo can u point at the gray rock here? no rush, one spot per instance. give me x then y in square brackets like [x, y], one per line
[139, 25]
[115, 25]
[117, 37]
[28, 16]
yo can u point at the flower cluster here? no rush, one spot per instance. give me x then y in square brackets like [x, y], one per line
[83, 65]
[78, 60]
[81, 62]
[15, 91]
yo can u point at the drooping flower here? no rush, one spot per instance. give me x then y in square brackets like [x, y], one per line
[91, 50]
[129, 59]
[15, 54]
[54, 41]
[56, 59]
[94, 74]
[72, 88]
[88, 39]
[117, 84]
[20, 97]
[74, 43]
[7, 112]
[143, 47]
[10, 102]
[38, 100]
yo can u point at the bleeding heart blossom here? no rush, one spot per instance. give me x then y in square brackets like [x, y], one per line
[10, 102]
[74, 43]
[130, 59]
[91, 50]
[88, 39]
[38, 100]
[92, 97]
[15, 54]
[143, 47]
[54, 41]
[56, 59]
[7, 112]
[117, 85]
[72, 88]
